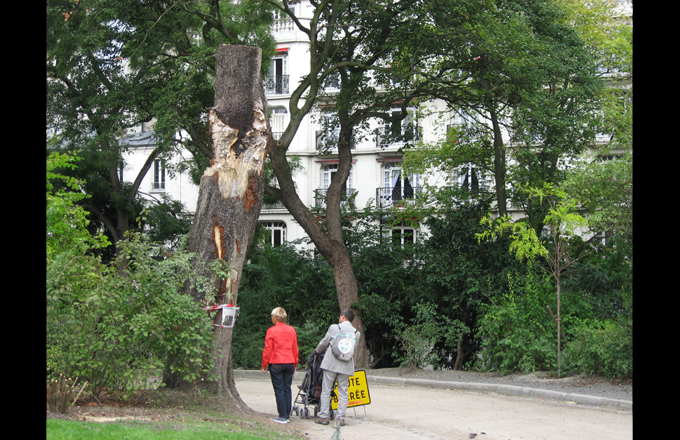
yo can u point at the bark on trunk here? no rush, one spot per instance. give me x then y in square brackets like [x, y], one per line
[231, 189]
[459, 354]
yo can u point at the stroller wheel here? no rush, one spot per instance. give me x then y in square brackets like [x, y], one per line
[332, 414]
[306, 413]
[316, 411]
[295, 409]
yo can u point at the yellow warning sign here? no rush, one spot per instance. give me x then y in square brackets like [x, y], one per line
[357, 390]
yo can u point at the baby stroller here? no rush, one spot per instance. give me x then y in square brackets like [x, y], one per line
[310, 389]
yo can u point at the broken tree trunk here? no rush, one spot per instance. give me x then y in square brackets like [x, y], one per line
[231, 189]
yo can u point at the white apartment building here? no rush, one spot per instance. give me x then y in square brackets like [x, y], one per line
[376, 176]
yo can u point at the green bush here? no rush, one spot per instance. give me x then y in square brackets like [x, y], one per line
[114, 325]
[418, 338]
[518, 333]
[602, 347]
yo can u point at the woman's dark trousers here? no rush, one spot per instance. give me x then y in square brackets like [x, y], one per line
[282, 378]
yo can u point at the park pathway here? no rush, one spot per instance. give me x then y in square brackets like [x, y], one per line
[411, 412]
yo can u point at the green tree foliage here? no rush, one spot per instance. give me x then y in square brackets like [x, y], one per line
[109, 327]
[67, 221]
[608, 31]
[527, 87]
[113, 65]
[598, 305]
[564, 226]
[460, 274]
[605, 190]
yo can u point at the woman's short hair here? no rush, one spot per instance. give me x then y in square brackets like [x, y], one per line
[280, 314]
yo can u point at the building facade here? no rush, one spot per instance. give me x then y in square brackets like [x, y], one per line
[376, 178]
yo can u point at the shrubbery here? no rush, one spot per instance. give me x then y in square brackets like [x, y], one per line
[114, 326]
[516, 331]
[602, 347]
[519, 334]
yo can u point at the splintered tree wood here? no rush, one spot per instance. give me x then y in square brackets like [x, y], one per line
[231, 188]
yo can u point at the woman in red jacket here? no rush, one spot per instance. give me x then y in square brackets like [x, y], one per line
[281, 354]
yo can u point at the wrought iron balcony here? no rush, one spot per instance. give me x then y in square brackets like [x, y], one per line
[391, 197]
[275, 84]
[320, 196]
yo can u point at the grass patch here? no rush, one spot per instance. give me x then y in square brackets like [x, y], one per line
[68, 430]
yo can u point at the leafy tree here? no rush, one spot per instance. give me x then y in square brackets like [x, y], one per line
[113, 65]
[564, 224]
[66, 220]
[354, 40]
[605, 189]
[608, 31]
[112, 328]
[525, 73]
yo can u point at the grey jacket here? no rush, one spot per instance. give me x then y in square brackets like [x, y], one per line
[330, 362]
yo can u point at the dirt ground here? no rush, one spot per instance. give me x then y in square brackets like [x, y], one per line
[396, 412]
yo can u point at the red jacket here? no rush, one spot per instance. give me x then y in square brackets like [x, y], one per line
[280, 345]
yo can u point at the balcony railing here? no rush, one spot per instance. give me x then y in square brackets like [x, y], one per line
[275, 84]
[389, 197]
[320, 196]
[283, 25]
[275, 205]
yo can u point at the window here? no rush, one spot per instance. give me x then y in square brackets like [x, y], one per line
[328, 173]
[403, 234]
[470, 177]
[328, 136]
[332, 81]
[158, 175]
[277, 121]
[277, 232]
[400, 132]
[397, 186]
[276, 81]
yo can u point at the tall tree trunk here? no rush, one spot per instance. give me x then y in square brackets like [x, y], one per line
[459, 354]
[330, 244]
[231, 189]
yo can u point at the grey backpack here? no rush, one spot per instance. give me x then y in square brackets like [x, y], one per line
[343, 345]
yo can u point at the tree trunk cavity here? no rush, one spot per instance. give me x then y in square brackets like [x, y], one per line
[231, 190]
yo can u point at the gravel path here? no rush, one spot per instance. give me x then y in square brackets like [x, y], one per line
[581, 384]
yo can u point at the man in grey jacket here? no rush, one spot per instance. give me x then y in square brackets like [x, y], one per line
[334, 368]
